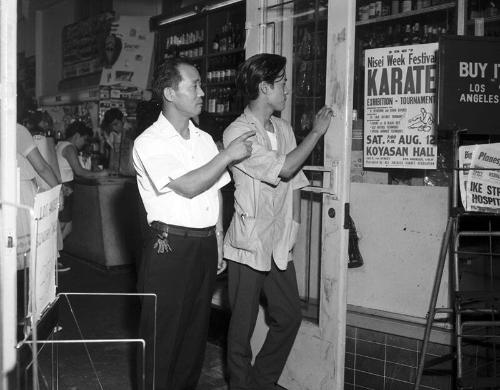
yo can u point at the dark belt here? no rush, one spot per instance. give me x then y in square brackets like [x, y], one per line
[182, 231]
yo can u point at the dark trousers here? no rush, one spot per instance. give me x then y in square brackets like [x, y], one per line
[284, 318]
[183, 280]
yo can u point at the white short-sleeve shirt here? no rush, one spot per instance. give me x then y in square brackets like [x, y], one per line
[161, 155]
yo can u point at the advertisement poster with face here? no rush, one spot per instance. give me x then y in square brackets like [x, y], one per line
[127, 52]
[400, 104]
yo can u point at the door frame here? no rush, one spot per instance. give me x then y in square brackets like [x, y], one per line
[8, 188]
[317, 358]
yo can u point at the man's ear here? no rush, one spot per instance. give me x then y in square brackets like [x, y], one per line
[263, 87]
[168, 93]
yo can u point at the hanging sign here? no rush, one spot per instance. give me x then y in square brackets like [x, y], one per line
[127, 53]
[469, 84]
[400, 101]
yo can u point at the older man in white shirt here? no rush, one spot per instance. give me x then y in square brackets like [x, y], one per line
[179, 174]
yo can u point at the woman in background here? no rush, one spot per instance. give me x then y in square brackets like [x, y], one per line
[112, 131]
[67, 151]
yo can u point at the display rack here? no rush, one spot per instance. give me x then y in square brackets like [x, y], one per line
[472, 240]
[475, 240]
[39, 353]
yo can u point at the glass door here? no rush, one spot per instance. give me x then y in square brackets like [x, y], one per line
[309, 68]
[317, 38]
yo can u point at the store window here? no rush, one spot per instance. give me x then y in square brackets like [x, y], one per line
[395, 138]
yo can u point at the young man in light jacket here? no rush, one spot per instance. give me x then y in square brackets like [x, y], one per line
[265, 224]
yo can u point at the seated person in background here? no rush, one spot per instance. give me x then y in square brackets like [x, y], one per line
[77, 135]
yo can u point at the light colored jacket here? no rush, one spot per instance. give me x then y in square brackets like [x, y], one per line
[262, 228]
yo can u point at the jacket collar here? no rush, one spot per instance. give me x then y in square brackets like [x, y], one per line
[252, 119]
[169, 131]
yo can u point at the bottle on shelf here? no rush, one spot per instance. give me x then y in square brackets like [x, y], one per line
[188, 44]
[306, 50]
[406, 5]
[230, 37]
[397, 36]
[491, 10]
[215, 43]
[238, 37]
[416, 36]
[407, 35]
[220, 101]
[212, 101]
[395, 7]
[425, 34]
[227, 102]
[223, 38]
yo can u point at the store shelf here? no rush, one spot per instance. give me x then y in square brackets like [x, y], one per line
[318, 59]
[219, 83]
[304, 23]
[486, 20]
[222, 114]
[298, 97]
[409, 14]
[192, 59]
[225, 53]
[216, 22]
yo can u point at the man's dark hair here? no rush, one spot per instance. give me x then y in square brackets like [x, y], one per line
[80, 128]
[109, 117]
[168, 75]
[258, 68]
[33, 118]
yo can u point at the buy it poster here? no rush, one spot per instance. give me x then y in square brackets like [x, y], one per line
[400, 104]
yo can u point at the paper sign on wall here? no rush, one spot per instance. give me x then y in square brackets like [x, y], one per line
[400, 103]
[480, 188]
[128, 52]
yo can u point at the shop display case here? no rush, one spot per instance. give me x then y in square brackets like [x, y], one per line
[213, 40]
[386, 23]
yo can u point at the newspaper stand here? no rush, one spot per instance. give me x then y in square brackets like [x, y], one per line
[473, 242]
[39, 377]
[34, 343]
